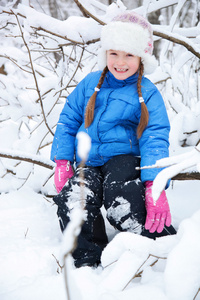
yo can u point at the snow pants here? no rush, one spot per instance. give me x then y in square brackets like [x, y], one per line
[118, 187]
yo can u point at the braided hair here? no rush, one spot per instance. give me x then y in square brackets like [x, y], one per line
[89, 114]
[144, 118]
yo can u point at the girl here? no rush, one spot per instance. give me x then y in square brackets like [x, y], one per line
[125, 116]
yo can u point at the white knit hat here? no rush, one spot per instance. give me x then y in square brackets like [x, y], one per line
[131, 33]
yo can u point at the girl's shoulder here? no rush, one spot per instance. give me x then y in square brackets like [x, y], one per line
[149, 89]
[147, 83]
[92, 78]
[90, 81]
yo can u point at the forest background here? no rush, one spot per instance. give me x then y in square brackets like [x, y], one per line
[46, 48]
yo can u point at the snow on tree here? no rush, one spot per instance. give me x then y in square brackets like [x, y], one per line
[42, 58]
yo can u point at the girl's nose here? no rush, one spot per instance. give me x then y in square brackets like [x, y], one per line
[121, 61]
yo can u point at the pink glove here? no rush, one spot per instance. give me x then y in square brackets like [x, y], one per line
[158, 213]
[63, 172]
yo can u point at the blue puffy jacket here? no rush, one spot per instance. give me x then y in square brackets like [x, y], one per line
[116, 117]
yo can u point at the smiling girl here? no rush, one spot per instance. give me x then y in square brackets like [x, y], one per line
[121, 64]
[126, 119]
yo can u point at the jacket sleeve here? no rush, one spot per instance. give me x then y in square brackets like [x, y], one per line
[154, 142]
[69, 122]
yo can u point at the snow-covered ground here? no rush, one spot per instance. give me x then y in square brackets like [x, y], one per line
[31, 247]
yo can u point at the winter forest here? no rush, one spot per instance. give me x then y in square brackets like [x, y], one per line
[46, 48]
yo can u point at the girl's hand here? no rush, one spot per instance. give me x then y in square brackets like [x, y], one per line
[63, 172]
[158, 213]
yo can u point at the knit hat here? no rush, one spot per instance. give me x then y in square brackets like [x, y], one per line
[131, 33]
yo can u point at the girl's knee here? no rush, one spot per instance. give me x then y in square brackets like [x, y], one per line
[121, 216]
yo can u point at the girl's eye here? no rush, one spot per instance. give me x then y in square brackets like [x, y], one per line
[113, 53]
[130, 55]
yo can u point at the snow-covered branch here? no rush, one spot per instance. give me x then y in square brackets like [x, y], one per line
[23, 156]
[44, 59]
[60, 29]
[178, 39]
[78, 214]
[166, 34]
[34, 74]
[173, 166]
[156, 5]
[87, 13]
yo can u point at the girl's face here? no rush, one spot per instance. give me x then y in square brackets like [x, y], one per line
[122, 64]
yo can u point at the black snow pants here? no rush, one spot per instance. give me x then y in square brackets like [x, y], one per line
[118, 187]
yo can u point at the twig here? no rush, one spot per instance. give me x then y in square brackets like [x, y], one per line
[34, 75]
[187, 176]
[28, 159]
[79, 225]
[49, 177]
[13, 61]
[87, 13]
[72, 75]
[82, 184]
[196, 294]
[138, 272]
[181, 41]
[58, 263]
[70, 251]
[56, 34]
[26, 233]
[25, 180]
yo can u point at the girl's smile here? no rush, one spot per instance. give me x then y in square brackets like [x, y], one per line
[122, 64]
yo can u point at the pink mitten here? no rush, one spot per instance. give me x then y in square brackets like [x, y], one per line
[63, 172]
[158, 212]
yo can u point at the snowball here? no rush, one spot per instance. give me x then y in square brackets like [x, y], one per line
[84, 145]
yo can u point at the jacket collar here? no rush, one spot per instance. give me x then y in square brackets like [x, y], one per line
[112, 82]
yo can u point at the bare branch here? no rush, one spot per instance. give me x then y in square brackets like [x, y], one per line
[156, 5]
[24, 157]
[40, 28]
[187, 176]
[196, 294]
[178, 39]
[15, 62]
[58, 263]
[73, 74]
[34, 75]
[58, 35]
[87, 13]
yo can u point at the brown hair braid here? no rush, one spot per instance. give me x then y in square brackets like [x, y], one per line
[89, 114]
[144, 111]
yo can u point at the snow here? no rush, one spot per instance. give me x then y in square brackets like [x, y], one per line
[185, 275]
[32, 248]
[81, 31]
[31, 242]
[84, 145]
[176, 164]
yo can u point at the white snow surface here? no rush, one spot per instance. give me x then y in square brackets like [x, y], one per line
[32, 249]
